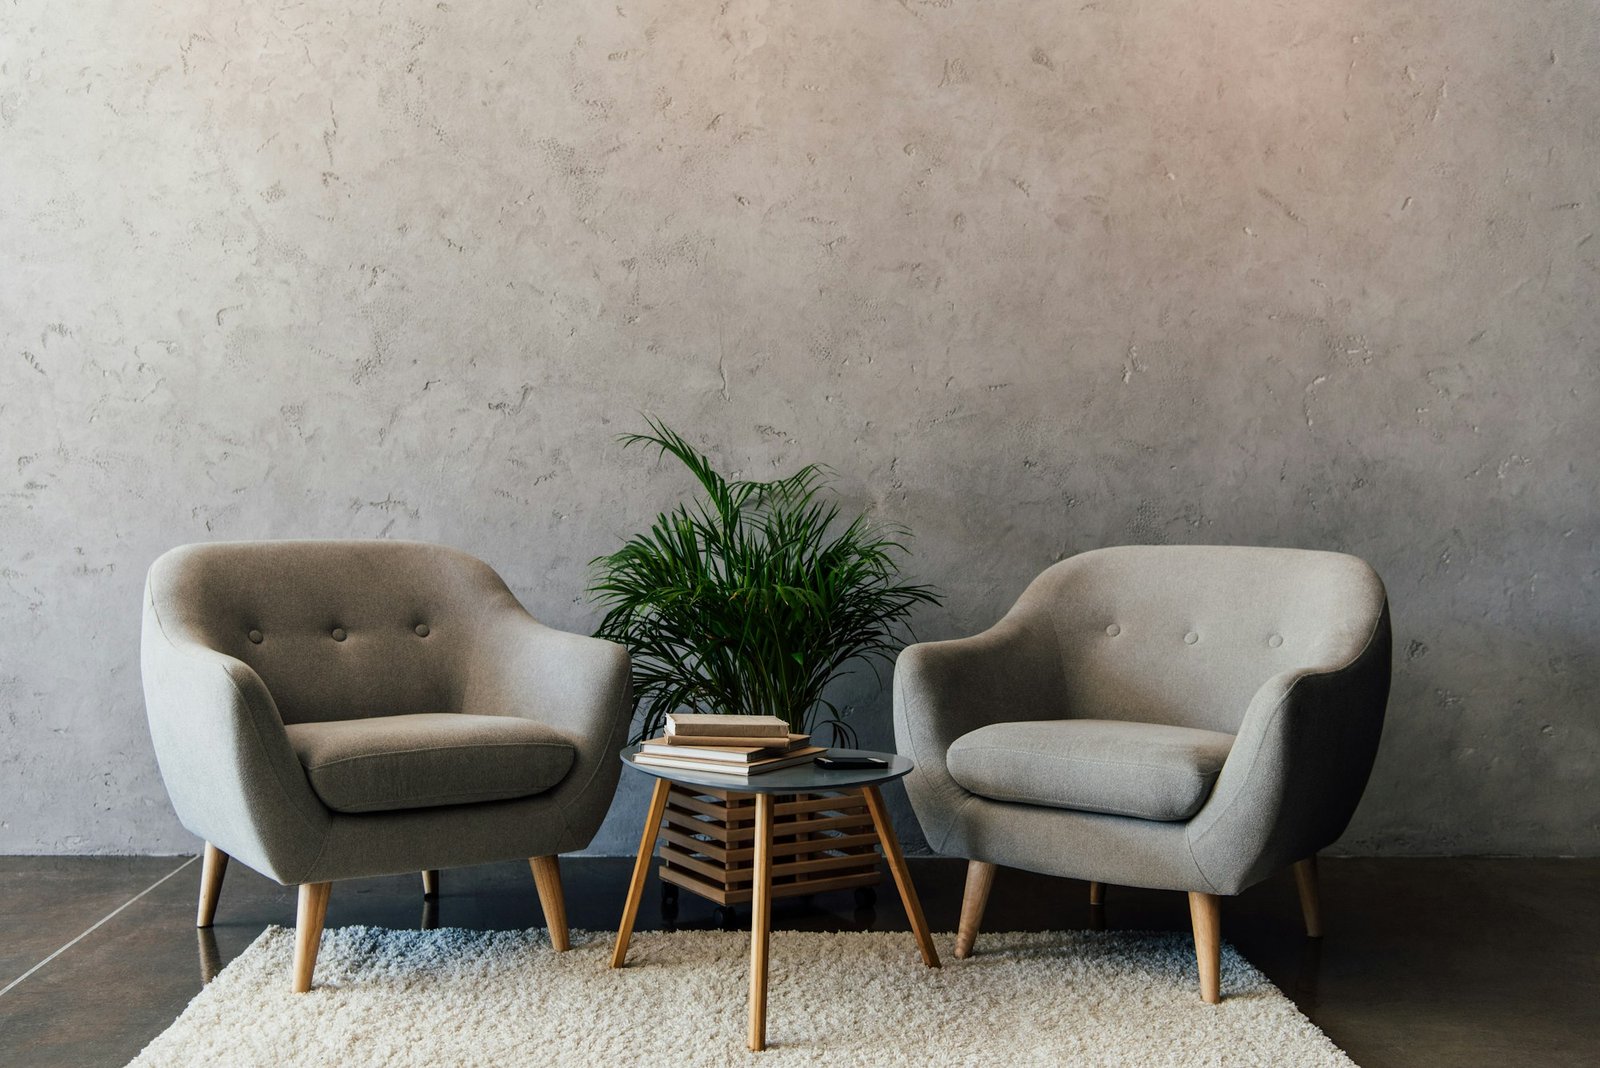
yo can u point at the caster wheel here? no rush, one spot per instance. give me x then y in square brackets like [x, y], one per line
[866, 897]
[726, 918]
[669, 894]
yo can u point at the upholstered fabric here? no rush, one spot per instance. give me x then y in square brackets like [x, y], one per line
[1288, 650]
[381, 763]
[1147, 770]
[425, 630]
[338, 630]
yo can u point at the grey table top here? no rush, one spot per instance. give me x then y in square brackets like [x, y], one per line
[799, 779]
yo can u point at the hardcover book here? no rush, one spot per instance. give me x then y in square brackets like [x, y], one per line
[704, 725]
[726, 750]
[679, 740]
[738, 771]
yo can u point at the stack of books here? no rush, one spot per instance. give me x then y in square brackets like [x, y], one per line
[736, 746]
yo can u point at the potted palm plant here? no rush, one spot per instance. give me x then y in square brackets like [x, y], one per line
[751, 599]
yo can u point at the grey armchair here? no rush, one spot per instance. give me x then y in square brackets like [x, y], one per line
[334, 709]
[1188, 718]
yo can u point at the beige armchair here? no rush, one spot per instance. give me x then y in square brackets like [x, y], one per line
[1188, 718]
[334, 709]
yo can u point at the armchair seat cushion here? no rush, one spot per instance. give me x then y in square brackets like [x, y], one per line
[382, 763]
[1146, 770]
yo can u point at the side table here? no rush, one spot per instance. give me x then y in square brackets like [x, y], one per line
[765, 787]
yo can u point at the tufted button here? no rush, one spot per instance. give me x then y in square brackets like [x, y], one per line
[1275, 641]
[1113, 630]
[339, 634]
[1190, 638]
[255, 637]
[422, 630]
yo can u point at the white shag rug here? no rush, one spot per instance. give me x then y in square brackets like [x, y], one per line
[497, 999]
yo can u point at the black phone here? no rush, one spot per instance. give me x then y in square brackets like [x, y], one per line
[848, 763]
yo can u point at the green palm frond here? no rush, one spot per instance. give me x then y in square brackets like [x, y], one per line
[753, 597]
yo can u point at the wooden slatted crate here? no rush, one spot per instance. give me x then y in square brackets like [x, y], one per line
[819, 842]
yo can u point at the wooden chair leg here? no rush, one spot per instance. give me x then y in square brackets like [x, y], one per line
[980, 878]
[1097, 893]
[213, 866]
[430, 883]
[547, 881]
[308, 932]
[1305, 879]
[1205, 911]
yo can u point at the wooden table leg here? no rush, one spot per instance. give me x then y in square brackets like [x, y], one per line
[902, 875]
[641, 870]
[760, 923]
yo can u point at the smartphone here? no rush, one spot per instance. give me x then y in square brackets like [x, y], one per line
[848, 763]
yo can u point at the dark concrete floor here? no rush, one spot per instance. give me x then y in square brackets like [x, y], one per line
[1425, 962]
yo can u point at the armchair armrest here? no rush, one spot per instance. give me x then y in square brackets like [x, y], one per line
[1297, 768]
[225, 758]
[575, 684]
[942, 690]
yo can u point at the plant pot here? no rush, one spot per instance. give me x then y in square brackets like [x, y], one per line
[820, 842]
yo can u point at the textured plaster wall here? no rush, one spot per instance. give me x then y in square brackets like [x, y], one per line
[1034, 277]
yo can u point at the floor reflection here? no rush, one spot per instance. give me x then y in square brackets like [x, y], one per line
[210, 956]
[1304, 991]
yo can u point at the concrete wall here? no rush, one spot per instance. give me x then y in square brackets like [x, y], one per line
[1035, 277]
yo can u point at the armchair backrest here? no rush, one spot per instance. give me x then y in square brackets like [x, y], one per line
[1186, 634]
[335, 629]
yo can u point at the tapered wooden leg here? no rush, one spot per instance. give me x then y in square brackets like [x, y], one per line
[902, 874]
[430, 883]
[641, 870]
[760, 923]
[308, 932]
[547, 880]
[1305, 879]
[980, 877]
[213, 866]
[1205, 911]
[1097, 893]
